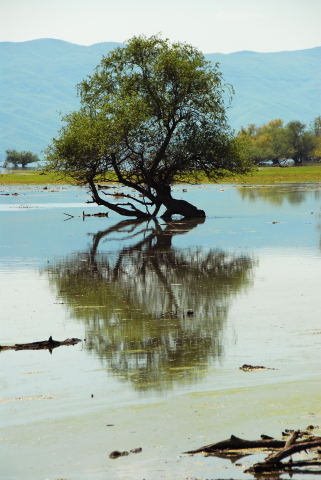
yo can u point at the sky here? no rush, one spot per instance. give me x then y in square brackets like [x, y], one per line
[211, 25]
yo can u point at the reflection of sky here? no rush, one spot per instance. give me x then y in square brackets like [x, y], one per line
[233, 221]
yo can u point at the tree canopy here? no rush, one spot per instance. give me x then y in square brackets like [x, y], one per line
[15, 158]
[150, 112]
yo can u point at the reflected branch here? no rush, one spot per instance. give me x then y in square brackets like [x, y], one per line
[279, 194]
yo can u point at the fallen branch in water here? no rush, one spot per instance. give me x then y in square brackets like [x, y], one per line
[99, 214]
[273, 461]
[278, 451]
[49, 344]
[235, 443]
[251, 368]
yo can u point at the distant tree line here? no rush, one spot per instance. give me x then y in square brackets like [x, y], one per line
[15, 158]
[276, 141]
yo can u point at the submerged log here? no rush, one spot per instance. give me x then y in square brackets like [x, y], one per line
[99, 214]
[250, 368]
[49, 344]
[273, 462]
[236, 443]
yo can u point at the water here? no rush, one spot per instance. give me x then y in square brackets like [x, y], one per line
[168, 313]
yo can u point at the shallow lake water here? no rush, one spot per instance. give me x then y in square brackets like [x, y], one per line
[167, 314]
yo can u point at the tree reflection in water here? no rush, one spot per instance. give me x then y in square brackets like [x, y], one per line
[154, 314]
[279, 194]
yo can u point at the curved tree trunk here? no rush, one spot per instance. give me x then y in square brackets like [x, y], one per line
[132, 211]
[177, 207]
[163, 197]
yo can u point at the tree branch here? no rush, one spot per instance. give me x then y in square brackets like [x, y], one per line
[126, 195]
[294, 448]
[162, 149]
[130, 184]
[115, 207]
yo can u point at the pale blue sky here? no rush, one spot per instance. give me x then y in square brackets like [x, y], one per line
[211, 25]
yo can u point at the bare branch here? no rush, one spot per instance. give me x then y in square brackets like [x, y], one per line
[126, 195]
[294, 448]
[118, 208]
[133, 185]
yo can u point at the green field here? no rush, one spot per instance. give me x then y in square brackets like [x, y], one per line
[33, 178]
[261, 176]
[274, 175]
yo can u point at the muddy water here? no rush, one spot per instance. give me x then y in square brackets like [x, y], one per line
[167, 314]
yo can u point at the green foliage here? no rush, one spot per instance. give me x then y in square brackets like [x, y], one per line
[316, 126]
[302, 141]
[15, 158]
[276, 141]
[80, 150]
[266, 142]
[151, 111]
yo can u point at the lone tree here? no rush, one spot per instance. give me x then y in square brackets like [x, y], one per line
[15, 158]
[150, 112]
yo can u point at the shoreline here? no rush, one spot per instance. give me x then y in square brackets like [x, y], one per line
[262, 176]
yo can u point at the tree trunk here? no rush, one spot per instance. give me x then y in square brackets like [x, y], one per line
[176, 207]
[130, 211]
[163, 197]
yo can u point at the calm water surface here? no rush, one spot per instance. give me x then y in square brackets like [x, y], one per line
[167, 313]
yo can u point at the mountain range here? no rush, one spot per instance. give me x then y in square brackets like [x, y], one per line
[38, 85]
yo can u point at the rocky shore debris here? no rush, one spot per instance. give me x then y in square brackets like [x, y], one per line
[117, 453]
[250, 368]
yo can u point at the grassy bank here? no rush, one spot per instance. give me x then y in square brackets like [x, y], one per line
[32, 178]
[275, 175]
[261, 176]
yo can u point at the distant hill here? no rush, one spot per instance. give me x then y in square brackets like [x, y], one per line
[38, 79]
[283, 85]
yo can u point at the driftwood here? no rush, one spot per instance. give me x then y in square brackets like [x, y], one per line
[49, 344]
[84, 215]
[99, 214]
[235, 443]
[278, 451]
[251, 368]
[117, 453]
[273, 461]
